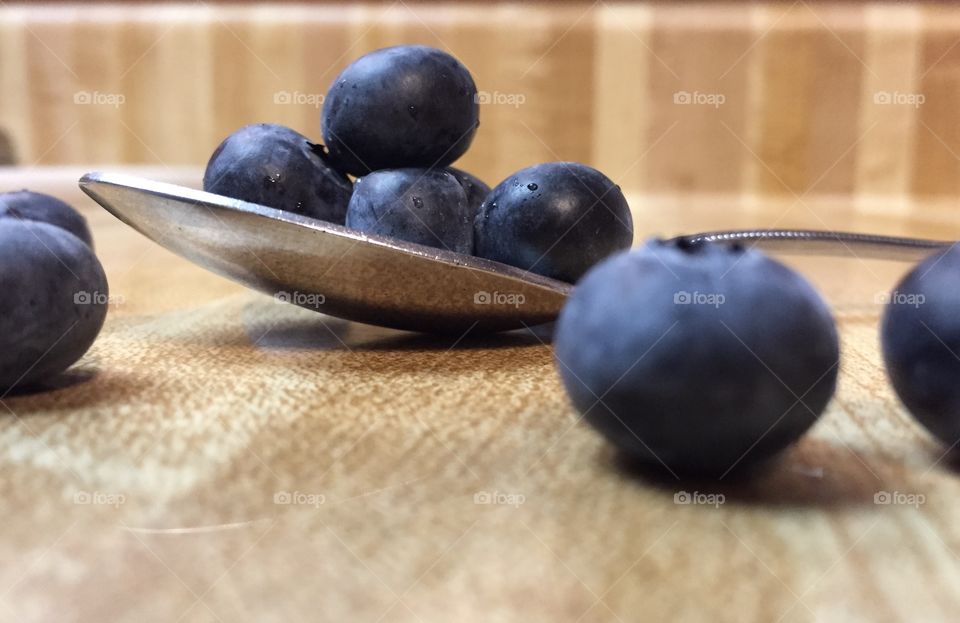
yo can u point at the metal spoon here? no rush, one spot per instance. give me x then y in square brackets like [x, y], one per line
[384, 281]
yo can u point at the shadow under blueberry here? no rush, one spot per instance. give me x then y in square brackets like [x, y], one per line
[814, 473]
[77, 388]
[64, 380]
[406, 341]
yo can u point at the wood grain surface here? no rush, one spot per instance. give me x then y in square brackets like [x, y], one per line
[768, 98]
[218, 456]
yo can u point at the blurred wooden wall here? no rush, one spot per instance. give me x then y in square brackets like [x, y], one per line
[747, 98]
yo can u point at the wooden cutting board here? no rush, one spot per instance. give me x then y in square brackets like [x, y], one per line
[221, 457]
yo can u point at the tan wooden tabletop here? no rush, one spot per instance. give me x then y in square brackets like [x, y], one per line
[218, 456]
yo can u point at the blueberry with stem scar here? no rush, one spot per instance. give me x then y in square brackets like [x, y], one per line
[697, 358]
[275, 166]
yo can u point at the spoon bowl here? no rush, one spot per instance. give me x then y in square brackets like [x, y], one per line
[329, 268]
[377, 280]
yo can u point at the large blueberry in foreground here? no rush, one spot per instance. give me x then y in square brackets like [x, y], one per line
[557, 219]
[53, 301]
[405, 106]
[280, 168]
[474, 188]
[699, 358]
[25, 204]
[425, 206]
[920, 335]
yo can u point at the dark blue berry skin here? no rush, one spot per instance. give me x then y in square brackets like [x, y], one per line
[475, 188]
[557, 219]
[425, 206]
[699, 387]
[920, 335]
[280, 168]
[52, 301]
[405, 106]
[25, 204]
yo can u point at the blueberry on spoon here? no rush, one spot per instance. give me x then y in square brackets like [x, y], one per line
[425, 206]
[275, 166]
[556, 219]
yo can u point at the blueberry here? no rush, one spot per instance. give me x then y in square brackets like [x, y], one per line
[920, 335]
[277, 167]
[43, 208]
[405, 106]
[52, 301]
[699, 358]
[426, 206]
[557, 219]
[475, 188]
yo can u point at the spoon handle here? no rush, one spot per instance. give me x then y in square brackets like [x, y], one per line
[827, 243]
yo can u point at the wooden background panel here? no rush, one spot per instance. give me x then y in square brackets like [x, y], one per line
[819, 98]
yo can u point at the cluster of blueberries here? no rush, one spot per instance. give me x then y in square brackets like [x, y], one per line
[53, 291]
[698, 356]
[395, 120]
[701, 357]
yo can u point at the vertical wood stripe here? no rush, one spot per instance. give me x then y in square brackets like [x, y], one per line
[770, 99]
